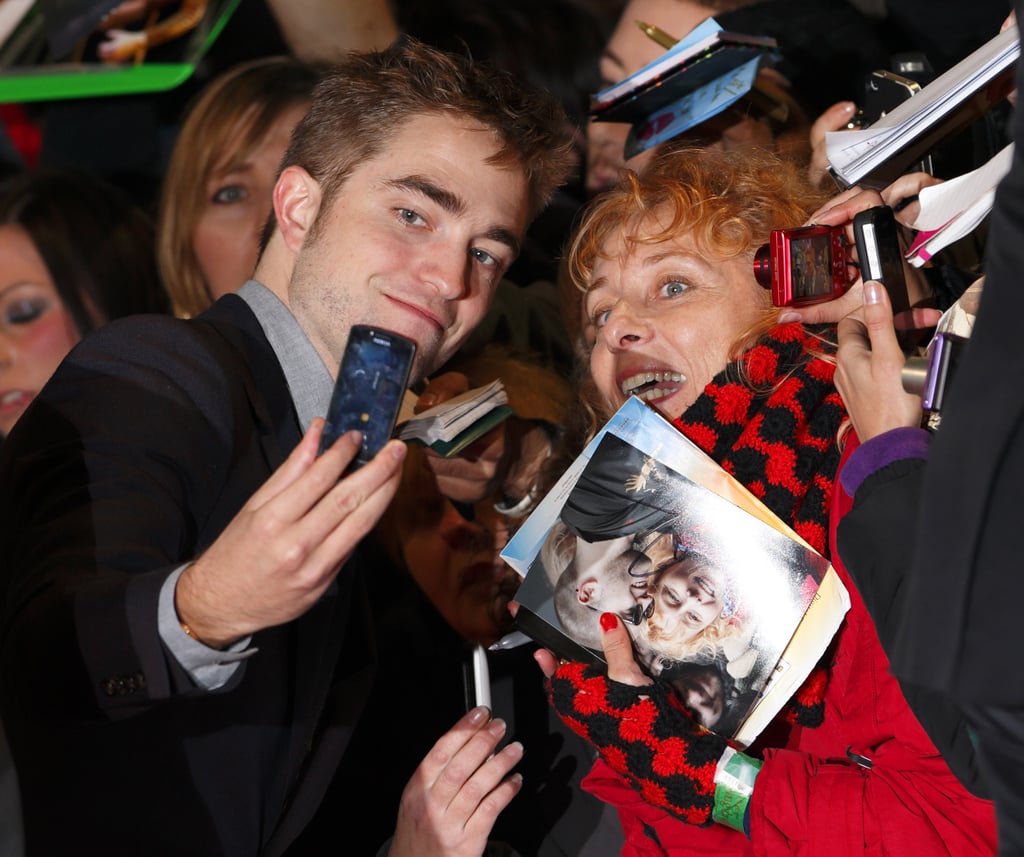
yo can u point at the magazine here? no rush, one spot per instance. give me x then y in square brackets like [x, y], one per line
[722, 599]
[50, 49]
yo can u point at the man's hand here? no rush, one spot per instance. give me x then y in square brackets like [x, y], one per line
[454, 797]
[285, 546]
[870, 363]
[472, 474]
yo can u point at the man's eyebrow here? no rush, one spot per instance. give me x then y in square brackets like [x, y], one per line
[449, 201]
[453, 204]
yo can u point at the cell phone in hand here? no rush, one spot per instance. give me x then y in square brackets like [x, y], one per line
[879, 254]
[803, 265]
[372, 381]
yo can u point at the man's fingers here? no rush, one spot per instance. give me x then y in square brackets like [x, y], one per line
[346, 512]
[441, 389]
[298, 462]
[618, 652]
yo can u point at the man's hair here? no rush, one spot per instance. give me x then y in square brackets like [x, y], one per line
[362, 101]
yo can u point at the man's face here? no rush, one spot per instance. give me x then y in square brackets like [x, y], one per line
[414, 241]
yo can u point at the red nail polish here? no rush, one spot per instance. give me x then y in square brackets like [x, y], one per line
[609, 621]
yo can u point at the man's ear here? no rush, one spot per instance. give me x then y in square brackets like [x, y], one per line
[297, 198]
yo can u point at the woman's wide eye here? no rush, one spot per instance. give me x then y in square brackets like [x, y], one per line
[673, 288]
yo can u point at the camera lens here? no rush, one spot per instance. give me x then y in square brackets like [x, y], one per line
[915, 375]
[763, 266]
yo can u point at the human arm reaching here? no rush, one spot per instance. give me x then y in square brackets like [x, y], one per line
[453, 799]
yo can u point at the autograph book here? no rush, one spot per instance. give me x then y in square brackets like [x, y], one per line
[700, 76]
[878, 154]
[722, 599]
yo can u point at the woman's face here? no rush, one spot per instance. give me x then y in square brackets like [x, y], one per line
[688, 598]
[239, 196]
[613, 576]
[36, 331]
[628, 50]
[664, 320]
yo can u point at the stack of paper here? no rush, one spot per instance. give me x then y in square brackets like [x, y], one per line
[456, 423]
[951, 210]
[878, 154]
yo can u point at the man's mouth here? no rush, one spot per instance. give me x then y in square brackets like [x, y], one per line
[652, 386]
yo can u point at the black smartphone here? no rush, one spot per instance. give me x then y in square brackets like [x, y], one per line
[372, 380]
[804, 265]
[879, 254]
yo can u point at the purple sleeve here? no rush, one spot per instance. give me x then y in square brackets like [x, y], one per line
[873, 455]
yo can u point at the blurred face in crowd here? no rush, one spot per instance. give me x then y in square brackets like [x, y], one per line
[36, 331]
[628, 50]
[664, 320]
[701, 690]
[454, 558]
[415, 240]
[238, 201]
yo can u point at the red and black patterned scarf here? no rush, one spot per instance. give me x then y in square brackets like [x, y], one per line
[771, 419]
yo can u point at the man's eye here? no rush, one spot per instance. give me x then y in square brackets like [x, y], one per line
[483, 257]
[410, 216]
[230, 194]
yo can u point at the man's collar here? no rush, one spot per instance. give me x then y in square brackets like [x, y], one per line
[309, 381]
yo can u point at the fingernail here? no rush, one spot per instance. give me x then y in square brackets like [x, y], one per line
[479, 714]
[398, 450]
[609, 621]
[788, 316]
[428, 400]
[872, 293]
[497, 727]
[848, 107]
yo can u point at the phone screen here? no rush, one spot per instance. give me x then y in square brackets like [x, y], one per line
[372, 381]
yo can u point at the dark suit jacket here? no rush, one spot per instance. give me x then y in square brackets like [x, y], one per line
[965, 637]
[148, 440]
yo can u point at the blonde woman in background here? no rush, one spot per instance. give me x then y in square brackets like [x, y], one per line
[217, 192]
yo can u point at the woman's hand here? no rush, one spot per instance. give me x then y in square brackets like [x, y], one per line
[642, 731]
[869, 371]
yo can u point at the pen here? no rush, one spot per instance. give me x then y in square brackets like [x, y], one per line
[656, 34]
[510, 641]
[769, 104]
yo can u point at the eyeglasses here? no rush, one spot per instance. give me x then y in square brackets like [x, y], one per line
[639, 612]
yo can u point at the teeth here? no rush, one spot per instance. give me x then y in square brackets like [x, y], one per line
[10, 398]
[630, 385]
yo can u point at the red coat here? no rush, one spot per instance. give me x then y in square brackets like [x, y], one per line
[810, 797]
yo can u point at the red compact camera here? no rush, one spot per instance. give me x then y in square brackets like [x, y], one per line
[804, 265]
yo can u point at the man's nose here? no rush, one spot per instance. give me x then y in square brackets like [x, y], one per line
[446, 269]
